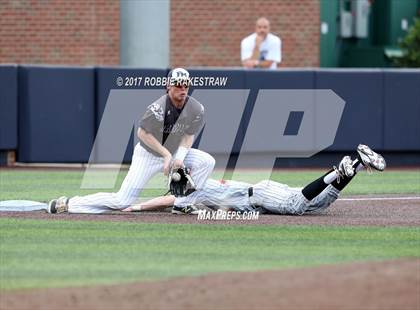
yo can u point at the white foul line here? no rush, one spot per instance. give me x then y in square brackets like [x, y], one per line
[380, 198]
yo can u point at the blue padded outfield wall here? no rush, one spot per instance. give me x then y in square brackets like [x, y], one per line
[52, 114]
[8, 107]
[362, 119]
[401, 122]
[56, 114]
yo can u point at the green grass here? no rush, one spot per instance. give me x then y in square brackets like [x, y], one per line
[37, 253]
[44, 185]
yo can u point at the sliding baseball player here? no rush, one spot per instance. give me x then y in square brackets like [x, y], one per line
[272, 197]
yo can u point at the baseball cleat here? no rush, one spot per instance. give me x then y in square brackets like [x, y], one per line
[370, 159]
[59, 205]
[51, 206]
[185, 210]
[345, 167]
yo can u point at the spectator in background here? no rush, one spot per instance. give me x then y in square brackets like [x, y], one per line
[261, 49]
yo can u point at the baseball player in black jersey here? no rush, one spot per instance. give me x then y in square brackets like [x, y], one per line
[166, 134]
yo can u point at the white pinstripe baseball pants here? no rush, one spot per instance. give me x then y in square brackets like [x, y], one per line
[279, 198]
[143, 167]
[273, 197]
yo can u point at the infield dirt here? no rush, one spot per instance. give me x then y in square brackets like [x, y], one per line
[342, 212]
[373, 285]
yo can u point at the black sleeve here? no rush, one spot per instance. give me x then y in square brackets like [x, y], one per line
[197, 122]
[152, 120]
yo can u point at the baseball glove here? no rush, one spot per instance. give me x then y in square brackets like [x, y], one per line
[180, 182]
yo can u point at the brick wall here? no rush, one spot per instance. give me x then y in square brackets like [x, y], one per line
[203, 32]
[82, 32]
[209, 32]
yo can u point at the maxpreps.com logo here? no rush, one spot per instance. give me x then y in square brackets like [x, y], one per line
[222, 215]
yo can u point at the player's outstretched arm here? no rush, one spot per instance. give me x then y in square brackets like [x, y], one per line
[158, 203]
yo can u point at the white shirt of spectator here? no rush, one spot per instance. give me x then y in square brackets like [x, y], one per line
[270, 48]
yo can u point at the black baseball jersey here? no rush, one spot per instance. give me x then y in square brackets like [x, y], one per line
[169, 124]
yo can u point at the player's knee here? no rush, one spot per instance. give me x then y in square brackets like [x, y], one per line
[210, 161]
[204, 162]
